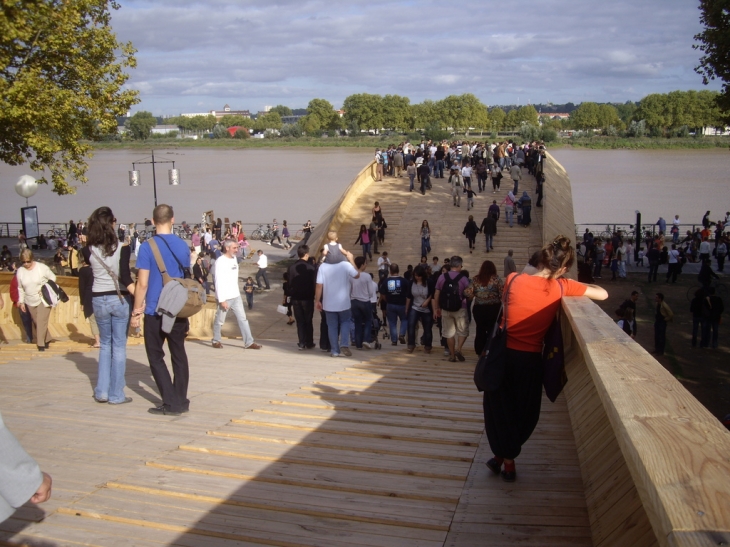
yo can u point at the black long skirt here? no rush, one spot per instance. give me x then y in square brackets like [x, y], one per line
[512, 411]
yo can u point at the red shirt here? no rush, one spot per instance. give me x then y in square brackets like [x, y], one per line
[533, 302]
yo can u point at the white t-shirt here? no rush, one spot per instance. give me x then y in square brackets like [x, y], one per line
[263, 261]
[673, 256]
[335, 281]
[383, 263]
[466, 171]
[374, 294]
[226, 278]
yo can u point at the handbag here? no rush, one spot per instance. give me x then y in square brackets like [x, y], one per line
[281, 309]
[52, 294]
[553, 358]
[491, 365]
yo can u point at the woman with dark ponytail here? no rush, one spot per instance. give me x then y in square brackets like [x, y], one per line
[111, 297]
[512, 411]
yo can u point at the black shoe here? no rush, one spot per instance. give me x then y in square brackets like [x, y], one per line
[509, 476]
[311, 347]
[402, 340]
[41, 348]
[163, 410]
[48, 345]
[460, 357]
[494, 466]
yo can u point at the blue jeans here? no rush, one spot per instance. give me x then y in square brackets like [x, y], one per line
[362, 313]
[411, 177]
[112, 316]
[338, 329]
[236, 306]
[366, 250]
[425, 246]
[426, 319]
[395, 312]
[439, 171]
[490, 241]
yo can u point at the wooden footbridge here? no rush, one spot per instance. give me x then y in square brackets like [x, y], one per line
[295, 448]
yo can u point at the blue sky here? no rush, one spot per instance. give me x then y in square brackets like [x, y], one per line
[196, 56]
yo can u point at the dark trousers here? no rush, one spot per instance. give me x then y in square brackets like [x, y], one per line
[485, 316]
[653, 270]
[27, 321]
[249, 300]
[262, 273]
[426, 319]
[513, 410]
[660, 336]
[362, 314]
[173, 390]
[303, 314]
[324, 337]
[673, 271]
[698, 328]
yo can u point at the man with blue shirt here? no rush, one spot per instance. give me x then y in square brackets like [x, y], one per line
[176, 255]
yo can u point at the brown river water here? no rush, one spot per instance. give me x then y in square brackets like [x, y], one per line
[257, 185]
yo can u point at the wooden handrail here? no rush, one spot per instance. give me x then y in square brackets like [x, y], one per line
[677, 452]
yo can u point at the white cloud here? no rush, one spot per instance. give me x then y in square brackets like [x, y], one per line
[195, 54]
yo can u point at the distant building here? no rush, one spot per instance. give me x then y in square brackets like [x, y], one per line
[555, 115]
[291, 119]
[228, 112]
[164, 129]
[715, 131]
[194, 114]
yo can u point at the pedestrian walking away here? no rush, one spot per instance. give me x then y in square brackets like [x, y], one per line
[174, 253]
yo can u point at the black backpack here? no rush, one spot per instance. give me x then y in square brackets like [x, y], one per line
[449, 298]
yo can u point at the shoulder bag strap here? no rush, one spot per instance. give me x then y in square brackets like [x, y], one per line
[505, 300]
[160, 263]
[111, 273]
[182, 268]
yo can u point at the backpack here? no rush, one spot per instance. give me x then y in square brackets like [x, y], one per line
[449, 298]
[196, 293]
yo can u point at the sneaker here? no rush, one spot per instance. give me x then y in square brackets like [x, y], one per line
[494, 466]
[447, 353]
[217, 345]
[345, 350]
[126, 400]
[336, 355]
[268, 243]
[101, 400]
[411, 349]
[310, 347]
[163, 410]
[300, 348]
[460, 357]
[367, 345]
[402, 340]
[509, 476]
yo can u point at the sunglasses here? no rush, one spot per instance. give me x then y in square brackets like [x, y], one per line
[27, 262]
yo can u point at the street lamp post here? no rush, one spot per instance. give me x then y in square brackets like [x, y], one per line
[172, 174]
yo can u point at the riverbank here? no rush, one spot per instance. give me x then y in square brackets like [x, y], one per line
[596, 143]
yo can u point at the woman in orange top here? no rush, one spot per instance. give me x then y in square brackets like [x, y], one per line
[513, 410]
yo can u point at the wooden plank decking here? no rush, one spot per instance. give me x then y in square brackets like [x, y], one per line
[295, 448]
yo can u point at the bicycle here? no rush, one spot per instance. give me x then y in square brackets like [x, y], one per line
[59, 233]
[259, 233]
[721, 290]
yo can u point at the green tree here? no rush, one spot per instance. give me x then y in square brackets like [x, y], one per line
[236, 119]
[281, 110]
[626, 111]
[324, 113]
[425, 114]
[522, 115]
[497, 117]
[714, 43]
[653, 110]
[140, 125]
[366, 110]
[396, 112]
[270, 120]
[62, 73]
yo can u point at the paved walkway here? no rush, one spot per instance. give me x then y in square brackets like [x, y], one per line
[294, 448]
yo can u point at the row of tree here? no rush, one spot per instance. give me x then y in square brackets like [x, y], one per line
[660, 112]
